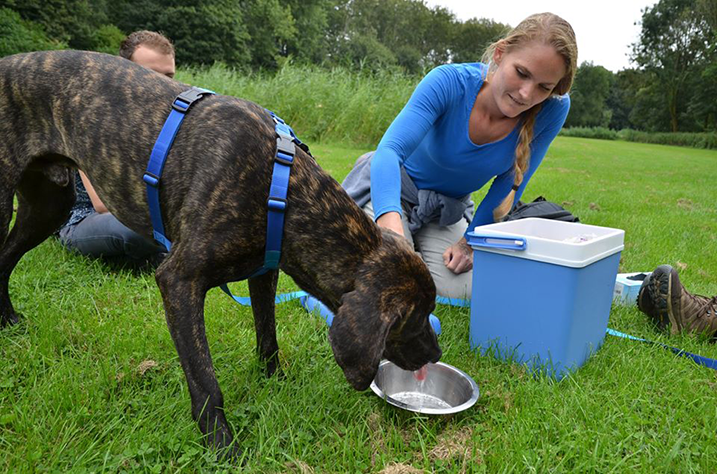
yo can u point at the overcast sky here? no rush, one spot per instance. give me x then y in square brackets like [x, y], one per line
[605, 29]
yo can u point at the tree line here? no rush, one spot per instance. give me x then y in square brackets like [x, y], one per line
[672, 86]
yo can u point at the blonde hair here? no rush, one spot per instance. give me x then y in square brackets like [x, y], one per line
[552, 30]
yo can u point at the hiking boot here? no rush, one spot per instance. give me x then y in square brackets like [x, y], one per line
[666, 301]
[650, 300]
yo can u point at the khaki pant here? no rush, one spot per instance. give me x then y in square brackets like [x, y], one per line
[430, 242]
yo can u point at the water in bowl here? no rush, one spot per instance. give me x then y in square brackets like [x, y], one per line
[420, 400]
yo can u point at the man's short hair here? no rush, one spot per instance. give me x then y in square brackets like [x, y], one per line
[149, 39]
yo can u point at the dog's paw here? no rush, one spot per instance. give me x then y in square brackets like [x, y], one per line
[273, 369]
[230, 454]
[7, 320]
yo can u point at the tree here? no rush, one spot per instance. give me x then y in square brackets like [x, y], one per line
[69, 21]
[21, 36]
[622, 98]
[311, 20]
[588, 97]
[205, 33]
[708, 9]
[404, 32]
[270, 27]
[470, 39]
[202, 31]
[674, 44]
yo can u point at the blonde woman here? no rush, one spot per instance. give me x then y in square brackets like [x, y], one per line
[465, 125]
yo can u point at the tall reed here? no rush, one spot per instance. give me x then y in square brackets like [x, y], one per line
[320, 104]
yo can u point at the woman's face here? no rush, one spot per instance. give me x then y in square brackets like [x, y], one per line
[525, 77]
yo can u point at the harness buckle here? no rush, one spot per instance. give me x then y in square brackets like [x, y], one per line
[180, 105]
[284, 158]
[185, 100]
[151, 179]
[277, 204]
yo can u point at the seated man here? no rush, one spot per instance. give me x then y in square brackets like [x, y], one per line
[91, 230]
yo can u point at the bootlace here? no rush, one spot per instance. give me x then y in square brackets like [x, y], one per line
[701, 305]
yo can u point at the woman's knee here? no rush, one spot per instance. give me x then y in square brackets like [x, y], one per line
[451, 285]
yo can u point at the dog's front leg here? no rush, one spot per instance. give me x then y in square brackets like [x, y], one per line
[183, 297]
[263, 291]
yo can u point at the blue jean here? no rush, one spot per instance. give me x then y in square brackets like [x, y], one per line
[102, 235]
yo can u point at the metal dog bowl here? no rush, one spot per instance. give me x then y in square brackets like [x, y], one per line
[445, 389]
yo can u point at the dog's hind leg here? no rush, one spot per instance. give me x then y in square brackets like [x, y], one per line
[263, 291]
[45, 199]
[182, 282]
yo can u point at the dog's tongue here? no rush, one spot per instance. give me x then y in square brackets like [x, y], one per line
[420, 374]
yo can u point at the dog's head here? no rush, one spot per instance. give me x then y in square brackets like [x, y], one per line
[386, 314]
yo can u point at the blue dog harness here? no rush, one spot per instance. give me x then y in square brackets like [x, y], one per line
[286, 143]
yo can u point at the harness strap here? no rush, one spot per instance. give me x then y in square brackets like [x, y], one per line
[180, 107]
[286, 143]
[277, 203]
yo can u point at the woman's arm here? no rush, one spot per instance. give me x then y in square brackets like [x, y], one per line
[96, 202]
[432, 97]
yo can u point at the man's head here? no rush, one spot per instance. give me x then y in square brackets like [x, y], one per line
[151, 50]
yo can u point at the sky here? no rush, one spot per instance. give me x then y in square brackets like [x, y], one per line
[604, 30]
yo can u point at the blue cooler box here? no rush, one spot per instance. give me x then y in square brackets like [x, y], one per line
[542, 291]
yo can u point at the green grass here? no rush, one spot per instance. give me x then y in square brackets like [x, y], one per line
[90, 381]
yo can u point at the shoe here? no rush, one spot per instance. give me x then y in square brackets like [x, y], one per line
[649, 299]
[666, 301]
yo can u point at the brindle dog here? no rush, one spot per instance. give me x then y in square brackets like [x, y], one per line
[68, 109]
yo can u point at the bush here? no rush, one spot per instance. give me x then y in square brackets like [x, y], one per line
[20, 36]
[693, 140]
[107, 39]
[600, 133]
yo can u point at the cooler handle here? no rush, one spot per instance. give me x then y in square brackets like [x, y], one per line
[498, 242]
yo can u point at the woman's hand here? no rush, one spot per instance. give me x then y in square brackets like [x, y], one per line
[458, 258]
[391, 220]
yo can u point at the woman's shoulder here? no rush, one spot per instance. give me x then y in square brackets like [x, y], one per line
[458, 81]
[556, 106]
[466, 72]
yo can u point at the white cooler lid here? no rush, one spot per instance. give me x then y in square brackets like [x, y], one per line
[570, 244]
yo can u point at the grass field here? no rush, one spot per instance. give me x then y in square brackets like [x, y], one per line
[90, 381]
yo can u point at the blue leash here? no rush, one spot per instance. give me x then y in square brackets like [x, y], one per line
[312, 305]
[697, 359]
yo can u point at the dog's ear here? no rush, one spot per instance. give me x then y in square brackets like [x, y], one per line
[358, 336]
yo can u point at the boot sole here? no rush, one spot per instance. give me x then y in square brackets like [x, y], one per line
[660, 291]
[675, 326]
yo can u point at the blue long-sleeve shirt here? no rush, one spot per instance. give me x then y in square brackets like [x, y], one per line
[429, 138]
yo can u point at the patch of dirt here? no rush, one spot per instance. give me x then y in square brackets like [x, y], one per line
[398, 468]
[146, 365]
[300, 467]
[594, 207]
[378, 443]
[452, 445]
[685, 204]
